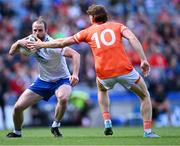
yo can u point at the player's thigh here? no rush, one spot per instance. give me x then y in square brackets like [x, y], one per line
[100, 86]
[63, 91]
[27, 99]
[140, 89]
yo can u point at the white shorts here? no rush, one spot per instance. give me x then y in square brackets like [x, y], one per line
[125, 80]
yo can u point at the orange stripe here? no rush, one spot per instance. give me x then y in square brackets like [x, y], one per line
[138, 80]
[147, 124]
[106, 116]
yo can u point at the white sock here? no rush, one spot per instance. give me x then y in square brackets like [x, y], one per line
[107, 123]
[56, 124]
[18, 132]
[147, 130]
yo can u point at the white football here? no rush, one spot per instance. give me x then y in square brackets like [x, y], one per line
[26, 51]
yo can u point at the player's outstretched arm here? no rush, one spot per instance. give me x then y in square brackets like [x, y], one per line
[69, 52]
[139, 49]
[57, 43]
[15, 46]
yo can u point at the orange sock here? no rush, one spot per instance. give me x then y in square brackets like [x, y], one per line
[147, 125]
[106, 116]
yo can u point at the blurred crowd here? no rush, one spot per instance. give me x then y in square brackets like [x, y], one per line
[156, 23]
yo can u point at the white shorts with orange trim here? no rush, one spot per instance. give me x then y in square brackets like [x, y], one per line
[125, 80]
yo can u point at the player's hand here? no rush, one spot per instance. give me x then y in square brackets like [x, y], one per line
[34, 45]
[20, 43]
[23, 42]
[145, 67]
[74, 80]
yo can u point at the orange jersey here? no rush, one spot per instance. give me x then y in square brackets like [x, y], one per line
[105, 41]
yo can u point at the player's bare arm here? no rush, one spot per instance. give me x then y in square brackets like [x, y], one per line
[15, 46]
[76, 64]
[139, 49]
[57, 43]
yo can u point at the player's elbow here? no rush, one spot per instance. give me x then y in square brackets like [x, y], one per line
[76, 55]
[133, 39]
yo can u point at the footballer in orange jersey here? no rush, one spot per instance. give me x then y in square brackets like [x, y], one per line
[111, 62]
[105, 41]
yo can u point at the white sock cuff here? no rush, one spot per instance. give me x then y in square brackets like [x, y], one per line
[18, 132]
[147, 130]
[56, 124]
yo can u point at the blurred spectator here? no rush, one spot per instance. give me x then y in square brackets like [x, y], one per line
[160, 102]
[3, 90]
[173, 74]
[39, 116]
[33, 6]
[78, 109]
[6, 9]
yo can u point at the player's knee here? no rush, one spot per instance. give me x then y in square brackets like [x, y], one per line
[63, 94]
[62, 98]
[145, 95]
[18, 108]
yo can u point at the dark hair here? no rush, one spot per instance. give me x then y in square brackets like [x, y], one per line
[98, 12]
[41, 20]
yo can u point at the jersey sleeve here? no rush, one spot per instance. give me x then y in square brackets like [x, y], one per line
[80, 36]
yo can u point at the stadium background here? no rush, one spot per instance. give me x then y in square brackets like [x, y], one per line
[155, 22]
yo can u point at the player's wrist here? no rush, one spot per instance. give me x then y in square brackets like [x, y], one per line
[143, 59]
[75, 74]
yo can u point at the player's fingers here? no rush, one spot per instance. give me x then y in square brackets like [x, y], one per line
[73, 80]
[145, 69]
[146, 72]
[30, 45]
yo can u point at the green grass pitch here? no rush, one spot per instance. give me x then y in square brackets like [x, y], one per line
[128, 136]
